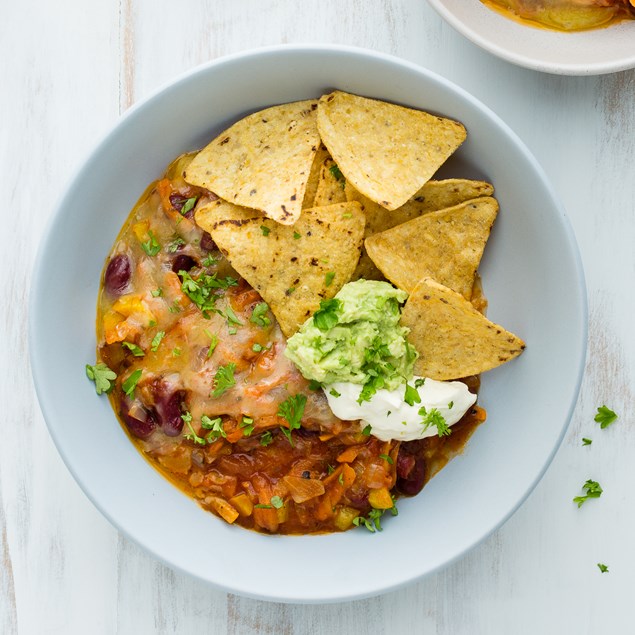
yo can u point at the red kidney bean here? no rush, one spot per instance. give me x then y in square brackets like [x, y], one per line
[183, 262]
[414, 481]
[405, 463]
[142, 427]
[118, 274]
[207, 243]
[168, 409]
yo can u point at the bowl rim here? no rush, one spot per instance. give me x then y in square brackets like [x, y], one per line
[526, 61]
[37, 357]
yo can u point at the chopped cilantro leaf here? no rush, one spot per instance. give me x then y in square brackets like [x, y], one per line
[192, 436]
[386, 458]
[605, 417]
[586, 441]
[133, 348]
[314, 385]
[420, 382]
[176, 352]
[366, 431]
[232, 318]
[292, 410]
[261, 506]
[201, 290]
[334, 393]
[102, 376]
[266, 439]
[603, 568]
[259, 314]
[290, 290]
[156, 341]
[247, 425]
[215, 426]
[265, 230]
[297, 236]
[151, 246]
[330, 469]
[326, 317]
[328, 278]
[372, 521]
[175, 244]
[411, 397]
[213, 342]
[257, 348]
[209, 261]
[434, 418]
[451, 405]
[131, 382]
[224, 379]
[593, 490]
[188, 205]
[340, 479]
[157, 293]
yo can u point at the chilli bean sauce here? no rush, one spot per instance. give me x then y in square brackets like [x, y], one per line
[207, 396]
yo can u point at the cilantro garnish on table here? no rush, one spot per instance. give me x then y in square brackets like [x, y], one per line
[603, 568]
[593, 490]
[605, 417]
[103, 377]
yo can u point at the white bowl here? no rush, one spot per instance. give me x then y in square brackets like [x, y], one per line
[532, 275]
[593, 52]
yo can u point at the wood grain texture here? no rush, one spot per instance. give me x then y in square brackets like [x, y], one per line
[64, 569]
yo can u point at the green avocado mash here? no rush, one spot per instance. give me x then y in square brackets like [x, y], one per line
[355, 337]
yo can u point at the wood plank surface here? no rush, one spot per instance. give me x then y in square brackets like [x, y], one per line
[67, 69]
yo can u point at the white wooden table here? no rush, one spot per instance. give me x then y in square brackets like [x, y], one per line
[67, 70]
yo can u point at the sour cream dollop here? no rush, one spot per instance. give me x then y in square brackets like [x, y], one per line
[388, 414]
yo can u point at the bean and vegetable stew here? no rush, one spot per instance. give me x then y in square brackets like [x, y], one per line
[228, 378]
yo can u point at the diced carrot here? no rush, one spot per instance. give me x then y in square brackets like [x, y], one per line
[242, 503]
[283, 514]
[349, 455]
[164, 188]
[303, 489]
[380, 498]
[326, 437]
[324, 510]
[222, 508]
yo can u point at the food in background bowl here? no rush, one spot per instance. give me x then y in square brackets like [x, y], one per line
[566, 15]
[245, 352]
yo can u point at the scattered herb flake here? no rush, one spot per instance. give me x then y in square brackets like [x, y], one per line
[326, 317]
[292, 410]
[257, 348]
[192, 436]
[201, 290]
[603, 568]
[102, 376]
[314, 385]
[586, 441]
[265, 230]
[247, 425]
[411, 396]
[593, 490]
[328, 278]
[173, 247]
[131, 382]
[176, 352]
[434, 418]
[330, 469]
[297, 236]
[188, 205]
[266, 439]
[213, 342]
[156, 341]
[334, 393]
[420, 382]
[210, 261]
[151, 246]
[605, 417]
[259, 314]
[157, 293]
[224, 379]
[451, 405]
[262, 506]
[133, 348]
[386, 458]
[337, 174]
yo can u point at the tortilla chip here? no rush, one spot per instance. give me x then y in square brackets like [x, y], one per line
[263, 161]
[452, 338]
[330, 189]
[446, 245]
[433, 196]
[387, 152]
[314, 176]
[288, 266]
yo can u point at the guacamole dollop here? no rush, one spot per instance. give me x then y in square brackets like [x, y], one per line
[355, 337]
